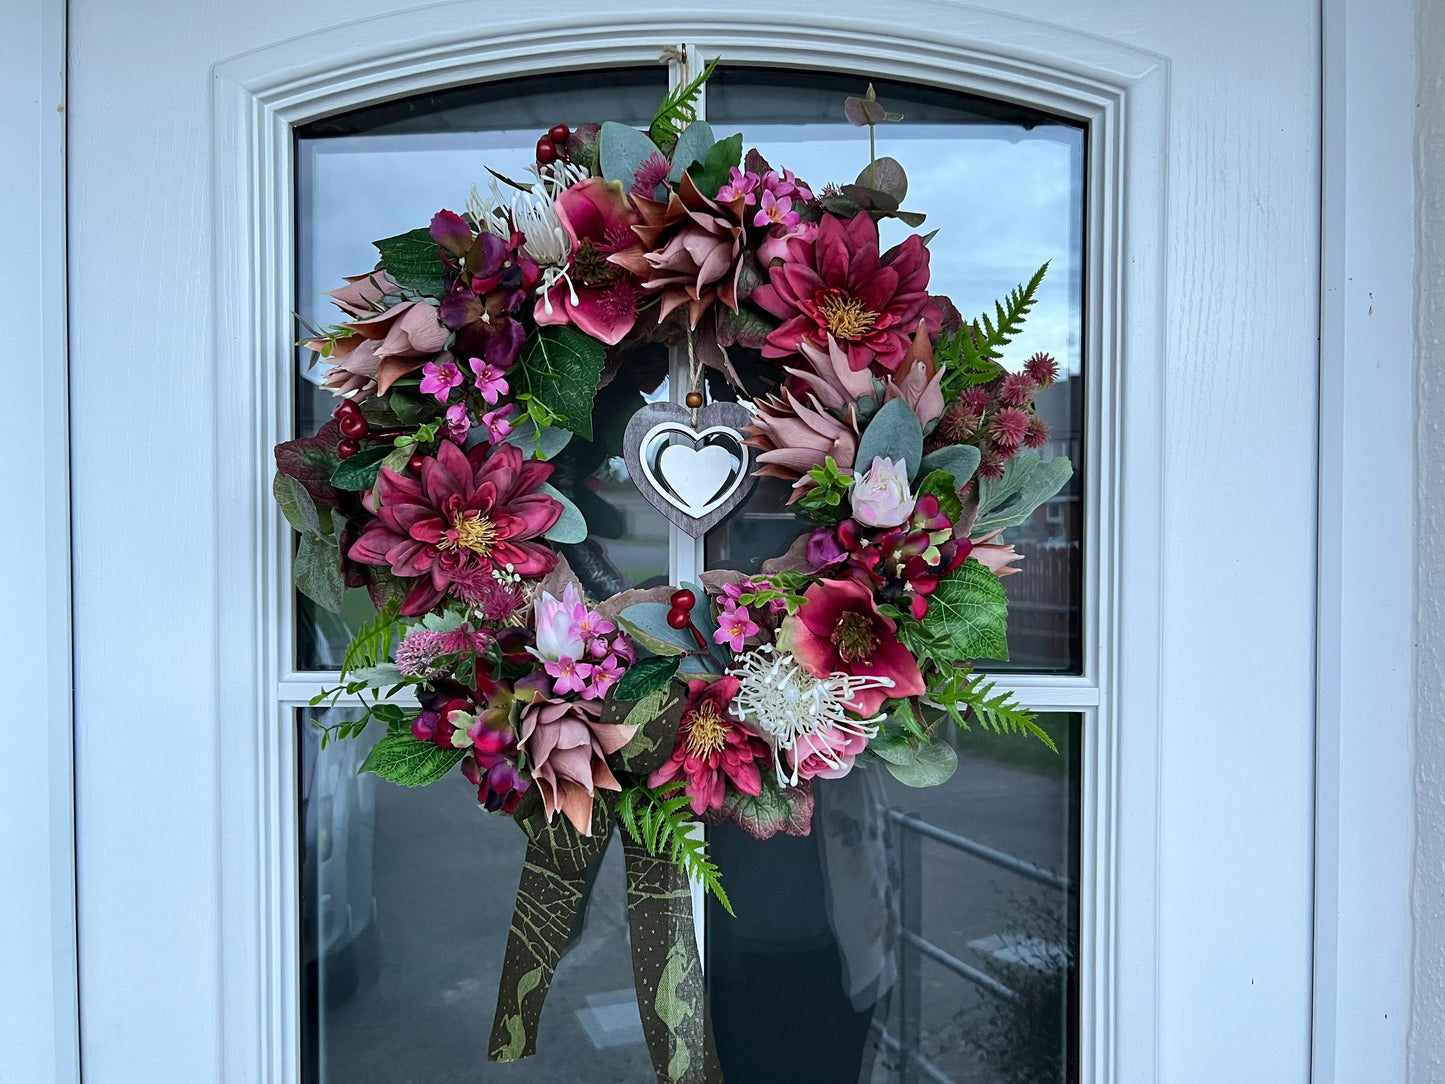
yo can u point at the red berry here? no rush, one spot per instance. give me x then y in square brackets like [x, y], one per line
[414, 463]
[559, 133]
[546, 151]
[347, 407]
[679, 618]
[354, 426]
[347, 448]
[683, 599]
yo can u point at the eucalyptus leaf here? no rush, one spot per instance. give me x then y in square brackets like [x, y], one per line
[650, 618]
[398, 459]
[930, 766]
[885, 175]
[548, 441]
[960, 460]
[621, 150]
[692, 146]
[1027, 482]
[316, 571]
[722, 156]
[296, 504]
[894, 433]
[570, 527]
[378, 677]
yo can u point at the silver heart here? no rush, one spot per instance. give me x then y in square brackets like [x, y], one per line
[694, 474]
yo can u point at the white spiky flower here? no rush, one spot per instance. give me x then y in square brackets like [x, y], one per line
[533, 214]
[788, 706]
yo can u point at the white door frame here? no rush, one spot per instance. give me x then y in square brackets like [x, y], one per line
[1363, 783]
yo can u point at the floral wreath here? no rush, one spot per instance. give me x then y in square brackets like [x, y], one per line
[471, 361]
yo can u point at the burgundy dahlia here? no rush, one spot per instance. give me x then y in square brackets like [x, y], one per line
[713, 748]
[464, 512]
[839, 285]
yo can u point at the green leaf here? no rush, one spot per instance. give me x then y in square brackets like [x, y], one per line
[407, 762]
[316, 572]
[384, 675]
[360, 471]
[390, 714]
[660, 823]
[650, 618]
[968, 614]
[692, 147]
[646, 676]
[678, 109]
[570, 526]
[885, 175]
[296, 504]
[1027, 482]
[941, 484]
[971, 354]
[929, 766]
[960, 460]
[621, 150]
[722, 156]
[894, 433]
[774, 809]
[414, 262]
[411, 411]
[560, 369]
[542, 443]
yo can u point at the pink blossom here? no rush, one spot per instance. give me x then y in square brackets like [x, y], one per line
[556, 621]
[777, 211]
[591, 623]
[604, 676]
[881, 496]
[457, 423]
[496, 424]
[740, 184]
[786, 185]
[439, 379]
[569, 675]
[489, 380]
[775, 245]
[735, 625]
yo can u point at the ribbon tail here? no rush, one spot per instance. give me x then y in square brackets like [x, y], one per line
[671, 994]
[554, 878]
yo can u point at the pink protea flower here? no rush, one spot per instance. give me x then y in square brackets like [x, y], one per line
[383, 347]
[1038, 434]
[565, 742]
[828, 752]
[1010, 426]
[1042, 369]
[794, 436]
[838, 630]
[596, 296]
[1017, 389]
[995, 557]
[712, 748]
[464, 511]
[840, 286]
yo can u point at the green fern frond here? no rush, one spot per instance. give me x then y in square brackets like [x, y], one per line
[972, 352]
[660, 823]
[678, 110]
[371, 646]
[999, 713]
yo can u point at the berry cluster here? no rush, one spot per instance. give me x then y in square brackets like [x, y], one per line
[553, 145]
[355, 428]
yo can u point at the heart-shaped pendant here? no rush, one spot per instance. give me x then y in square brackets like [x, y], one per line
[694, 474]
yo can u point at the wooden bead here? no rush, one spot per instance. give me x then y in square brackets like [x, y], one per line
[694, 399]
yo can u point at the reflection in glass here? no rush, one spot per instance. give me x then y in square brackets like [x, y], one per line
[914, 934]
[384, 170]
[405, 904]
[1004, 187]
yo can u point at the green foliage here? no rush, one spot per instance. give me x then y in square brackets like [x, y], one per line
[1026, 483]
[360, 471]
[824, 502]
[560, 368]
[941, 484]
[570, 526]
[722, 156]
[403, 760]
[295, 504]
[621, 151]
[646, 676]
[678, 109]
[316, 571]
[413, 261]
[966, 696]
[967, 617]
[972, 352]
[788, 586]
[960, 460]
[660, 823]
[894, 433]
[371, 646]
[926, 764]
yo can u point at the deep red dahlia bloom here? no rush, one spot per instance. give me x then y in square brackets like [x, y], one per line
[713, 748]
[838, 629]
[464, 511]
[838, 285]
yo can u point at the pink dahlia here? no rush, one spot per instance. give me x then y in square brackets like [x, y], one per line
[838, 630]
[565, 742]
[464, 512]
[597, 297]
[839, 285]
[712, 748]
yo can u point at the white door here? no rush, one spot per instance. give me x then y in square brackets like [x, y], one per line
[242, 913]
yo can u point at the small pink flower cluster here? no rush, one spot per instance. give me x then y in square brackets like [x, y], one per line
[581, 651]
[735, 622]
[999, 416]
[488, 383]
[772, 193]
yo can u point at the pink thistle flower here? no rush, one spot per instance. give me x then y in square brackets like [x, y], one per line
[489, 380]
[1038, 434]
[975, 401]
[605, 674]
[496, 424]
[740, 184]
[417, 653]
[1010, 425]
[991, 463]
[439, 379]
[568, 675]
[777, 211]
[1017, 389]
[1042, 369]
[735, 625]
[458, 424]
[479, 589]
[651, 173]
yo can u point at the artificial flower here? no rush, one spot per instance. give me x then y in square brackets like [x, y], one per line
[565, 742]
[605, 674]
[828, 752]
[838, 629]
[795, 436]
[881, 496]
[489, 381]
[558, 624]
[712, 749]
[463, 511]
[497, 425]
[457, 424]
[839, 285]
[382, 348]
[439, 378]
[596, 296]
[775, 211]
[568, 675]
[734, 626]
[740, 184]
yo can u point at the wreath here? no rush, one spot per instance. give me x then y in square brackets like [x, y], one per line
[475, 364]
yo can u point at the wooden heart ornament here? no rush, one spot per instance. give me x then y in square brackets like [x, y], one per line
[694, 474]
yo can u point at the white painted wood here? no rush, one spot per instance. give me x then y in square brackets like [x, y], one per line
[1195, 938]
[39, 1039]
[1365, 811]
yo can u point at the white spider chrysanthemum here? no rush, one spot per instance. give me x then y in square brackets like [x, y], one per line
[788, 705]
[533, 214]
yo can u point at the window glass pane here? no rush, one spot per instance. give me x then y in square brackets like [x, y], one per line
[1004, 187]
[385, 170]
[405, 905]
[914, 934]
